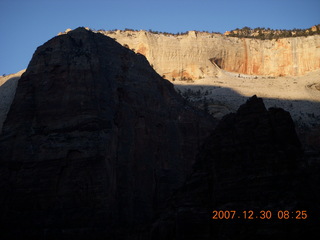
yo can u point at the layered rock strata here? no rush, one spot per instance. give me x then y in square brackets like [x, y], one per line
[199, 54]
[94, 143]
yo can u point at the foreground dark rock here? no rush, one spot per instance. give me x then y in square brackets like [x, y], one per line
[252, 161]
[94, 143]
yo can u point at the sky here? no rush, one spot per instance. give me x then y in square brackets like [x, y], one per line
[27, 24]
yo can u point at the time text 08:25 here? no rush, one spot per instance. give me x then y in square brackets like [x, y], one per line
[263, 214]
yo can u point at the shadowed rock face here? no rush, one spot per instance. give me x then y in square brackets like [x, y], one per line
[251, 162]
[94, 143]
[8, 85]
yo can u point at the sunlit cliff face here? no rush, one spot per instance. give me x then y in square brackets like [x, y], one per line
[197, 54]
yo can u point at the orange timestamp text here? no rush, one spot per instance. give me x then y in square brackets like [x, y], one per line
[262, 214]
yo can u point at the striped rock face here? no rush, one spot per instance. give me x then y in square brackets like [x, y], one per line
[198, 54]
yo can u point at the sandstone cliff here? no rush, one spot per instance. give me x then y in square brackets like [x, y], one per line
[94, 143]
[199, 54]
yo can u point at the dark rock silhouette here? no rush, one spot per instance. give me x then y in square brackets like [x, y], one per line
[94, 143]
[97, 145]
[252, 161]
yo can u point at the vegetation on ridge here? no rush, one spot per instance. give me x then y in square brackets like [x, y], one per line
[155, 32]
[245, 32]
[267, 33]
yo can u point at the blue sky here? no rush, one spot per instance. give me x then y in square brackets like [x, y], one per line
[26, 24]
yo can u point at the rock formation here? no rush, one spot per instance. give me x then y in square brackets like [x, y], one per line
[8, 85]
[97, 145]
[199, 54]
[94, 143]
[251, 162]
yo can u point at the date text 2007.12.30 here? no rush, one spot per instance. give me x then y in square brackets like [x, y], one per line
[262, 214]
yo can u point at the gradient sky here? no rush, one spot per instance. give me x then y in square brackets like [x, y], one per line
[27, 24]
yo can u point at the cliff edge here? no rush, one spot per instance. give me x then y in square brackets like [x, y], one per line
[200, 54]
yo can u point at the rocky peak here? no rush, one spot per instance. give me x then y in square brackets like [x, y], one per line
[253, 105]
[94, 143]
[252, 161]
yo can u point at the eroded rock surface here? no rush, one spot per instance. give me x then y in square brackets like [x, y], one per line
[94, 143]
[199, 54]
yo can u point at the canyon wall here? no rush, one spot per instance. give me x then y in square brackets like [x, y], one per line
[199, 54]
